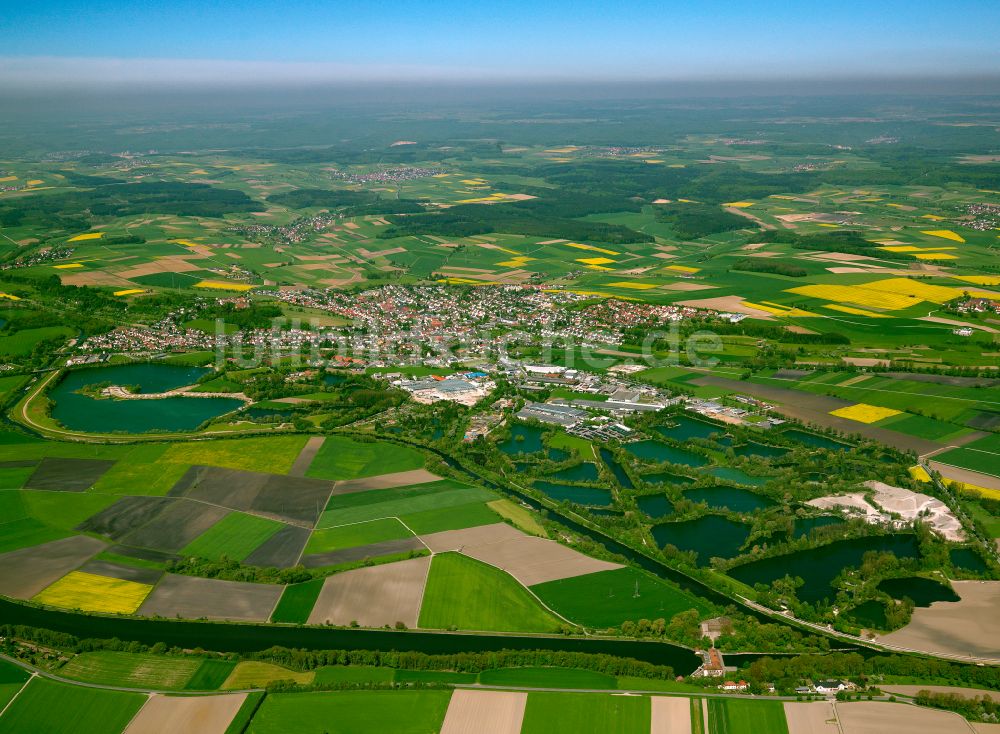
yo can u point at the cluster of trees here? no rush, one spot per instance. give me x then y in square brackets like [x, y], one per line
[974, 708]
[692, 221]
[228, 569]
[354, 203]
[765, 265]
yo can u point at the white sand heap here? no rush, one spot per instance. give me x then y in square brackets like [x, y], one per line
[912, 505]
[896, 507]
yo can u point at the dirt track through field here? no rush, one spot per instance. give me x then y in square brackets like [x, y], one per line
[965, 627]
[306, 456]
[485, 712]
[529, 559]
[196, 714]
[876, 717]
[374, 596]
[815, 717]
[25, 572]
[385, 481]
[670, 715]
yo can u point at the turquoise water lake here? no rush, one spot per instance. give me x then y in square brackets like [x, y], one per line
[586, 472]
[819, 566]
[923, 592]
[684, 429]
[659, 451]
[708, 536]
[523, 440]
[620, 476]
[806, 525]
[83, 413]
[730, 498]
[655, 505]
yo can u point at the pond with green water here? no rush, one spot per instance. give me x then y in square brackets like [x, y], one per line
[923, 592]
[658, 451]
[729, 498]
[655, 505]
[579, 495]
[586, 472]
[80, 412]
[620, 476]
[709, 536]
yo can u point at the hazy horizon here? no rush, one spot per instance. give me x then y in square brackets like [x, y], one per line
[112, 44]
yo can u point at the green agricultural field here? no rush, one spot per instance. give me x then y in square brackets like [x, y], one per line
[523, 518]
[14, 477]
[987, 462]
[344, 458]
[64, 510]
[400, 501]
[340, 674]
[352, 712]
[742, 716]
[297, 601]
[451, 518]
[27, 532]
[132, 670]
[12, 679]
[608, 598]
[466, 594]
[235, 536]
[258, 674]
[360, 533]
[577, 713]
[548, 678]
[434, 676]
[58, 708]
[21, 343]
[210, 675]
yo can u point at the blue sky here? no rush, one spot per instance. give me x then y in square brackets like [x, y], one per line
[498, 39]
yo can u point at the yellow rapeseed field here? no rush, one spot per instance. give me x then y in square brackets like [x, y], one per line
[633, 285]
[68, 266]
[516, 262]
[979, 279]
[87, 236]
[864, 413]
[9, 297]
[222, 286]
[933, 217]
[934, 256]
[946, 234]
[919, 473]
[855, 311]
[129, 292]
[594, 260]
[740, 204]
[592, 248]
[777, 309]
[856, 294]
[916, 289]
[682, 269]
[93, 593]
[599, 267]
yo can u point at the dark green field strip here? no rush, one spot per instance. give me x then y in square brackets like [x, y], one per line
[343, 458]
[350, 508]
[210, 675]
[986, 462]
[246, 713]
[569, 678]
[297, 602]
[743, 716]
[235, 536]
[451, 518]
[400, 712]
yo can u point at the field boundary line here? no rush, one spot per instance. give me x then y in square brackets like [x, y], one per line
[19, 692]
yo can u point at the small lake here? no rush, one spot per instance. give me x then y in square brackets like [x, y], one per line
[655, 505]
[761, 450]
[923, 592]
[620, 476]
[806, 525]
[729, 474]
[869, 614]
[658, 451]
[523, 440]
[708, 536]
[586, 472]
[83, 413]
[666, 477]
[729, 498]
[579, 495]
[815, 440]
[968, 559]
[819, 566]
[684, 429]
